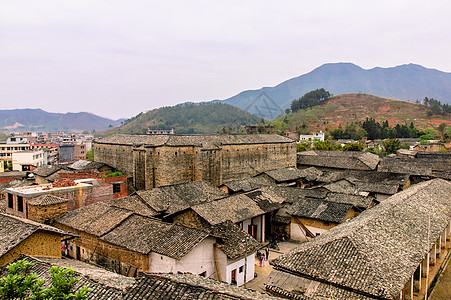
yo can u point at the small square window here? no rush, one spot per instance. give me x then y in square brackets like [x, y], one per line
[241, 269]
[116, 188]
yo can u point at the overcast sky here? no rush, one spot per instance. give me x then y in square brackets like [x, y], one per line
[118, 58]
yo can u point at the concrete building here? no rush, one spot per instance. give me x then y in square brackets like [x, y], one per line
[311, 137]
[28, 160]
[158, 160]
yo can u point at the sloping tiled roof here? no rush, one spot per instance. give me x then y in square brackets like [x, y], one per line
[85, 165]
[378, 251]
[248, 184]
[46, 170]
[143, 235]
[294, 287]
[267, 201]
[426, 166]
[105, 285]
[322, 210]
[206, 141]
[133, 203]
[97, 219]
[174, 198]
[188, 286]
[362, 202]
[46, 200]
[234, 242]
[14, 230]
[286, 174]
[353, 160]
[235, 208]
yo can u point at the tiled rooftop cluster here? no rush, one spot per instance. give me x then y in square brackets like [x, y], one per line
[377, 252]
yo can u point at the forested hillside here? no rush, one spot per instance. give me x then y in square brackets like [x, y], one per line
[189, 118]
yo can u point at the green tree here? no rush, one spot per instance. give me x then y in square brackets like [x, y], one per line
[353, 147]
[304, 146]
[442, 129]
[20, 283]
[391, 146]
[90, 155]
[310, 99]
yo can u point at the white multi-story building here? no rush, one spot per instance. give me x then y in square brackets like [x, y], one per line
[27, 160]
[312, 137]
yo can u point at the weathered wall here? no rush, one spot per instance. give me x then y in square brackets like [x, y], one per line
[200, 259]
[165, 165]
[114, 258]
[41, 244]
[45, 213]
[189, 218]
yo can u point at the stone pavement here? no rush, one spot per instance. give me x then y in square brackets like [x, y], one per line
[262, 273]
[442, 290]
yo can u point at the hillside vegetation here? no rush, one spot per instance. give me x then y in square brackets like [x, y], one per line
[407, 82]
[343, 109]
[189, 118]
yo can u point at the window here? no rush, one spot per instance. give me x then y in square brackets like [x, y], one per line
[241, 269]
[20, 203]
[116, 188]
[10, 201]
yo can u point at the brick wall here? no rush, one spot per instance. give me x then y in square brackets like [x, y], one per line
[189, 218]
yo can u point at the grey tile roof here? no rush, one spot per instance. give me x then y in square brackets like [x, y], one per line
[46, 170]
[286, 174]
[205, 141]
[295, 287]
[354, 160]
[361, 202]
[378, 251]
[14, 230]
[266, 200]
[97, 219]
[427, 166]
[321, 210]
[105, 285]
[188, 286]
[85, 165]
[46, 200]
[235, 208]
[234, 242]
[248, 184]
[175, 198]
[133, 203]
[144, 235]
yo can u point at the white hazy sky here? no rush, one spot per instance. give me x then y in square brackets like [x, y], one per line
[118, 58]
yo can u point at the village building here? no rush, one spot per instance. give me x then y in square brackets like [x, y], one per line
[286, 176]
[337, 160]
[172, 199]
[28, 160]
[378, 184]
[391, 251]
[159, 160]
[106, 285]
[21, 236]
[8, 176]
[250, 211]
[79, 193]
[245, 185]
[128, 242]
[311, 137]
[423, 166]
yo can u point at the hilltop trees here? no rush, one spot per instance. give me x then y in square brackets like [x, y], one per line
[310, 99]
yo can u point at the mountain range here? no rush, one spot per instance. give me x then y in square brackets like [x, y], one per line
[408, 82]
[40, 120]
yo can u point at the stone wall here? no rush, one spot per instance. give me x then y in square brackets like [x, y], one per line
[153, 166]
[189, 218]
